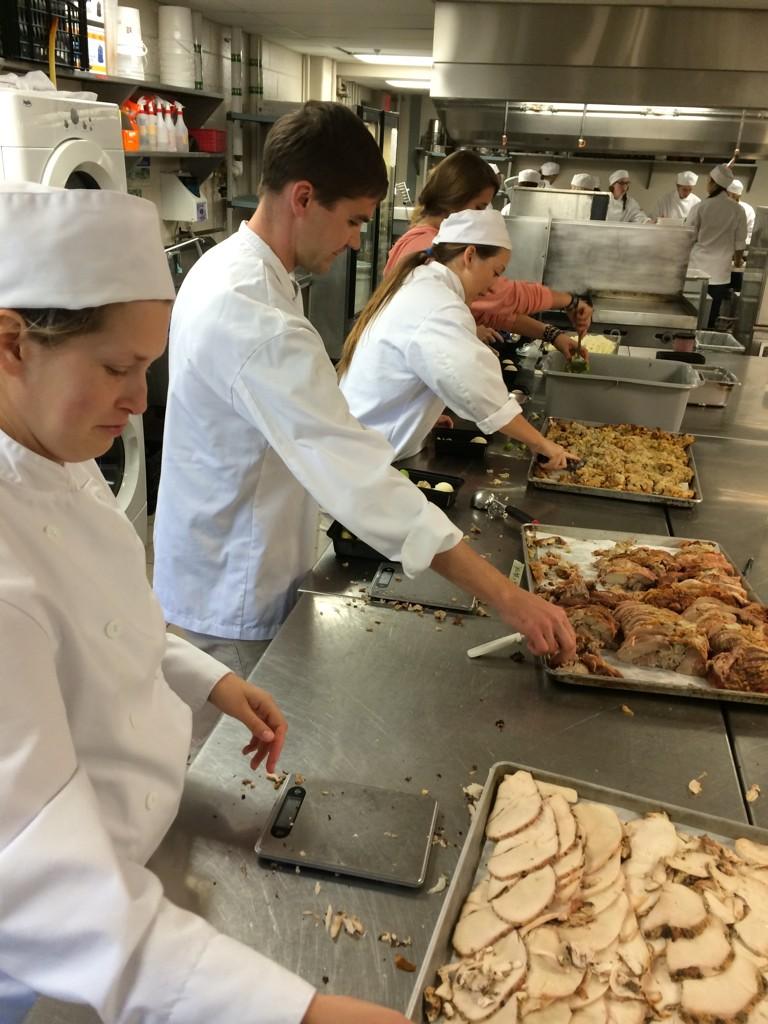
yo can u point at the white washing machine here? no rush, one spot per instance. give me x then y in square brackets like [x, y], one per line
[77, 144]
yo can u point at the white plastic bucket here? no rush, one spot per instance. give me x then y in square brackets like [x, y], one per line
[175, 23]
[131, 51]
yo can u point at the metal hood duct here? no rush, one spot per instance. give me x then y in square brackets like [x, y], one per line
[601, 53]
[674, 133]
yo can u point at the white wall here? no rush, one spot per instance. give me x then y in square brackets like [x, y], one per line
[283, 72]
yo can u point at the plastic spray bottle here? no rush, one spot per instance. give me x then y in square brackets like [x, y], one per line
[169, 126]
[182, 135]
[162, 131]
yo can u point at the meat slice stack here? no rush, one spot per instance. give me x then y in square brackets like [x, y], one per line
[658, 638]
[583, 919]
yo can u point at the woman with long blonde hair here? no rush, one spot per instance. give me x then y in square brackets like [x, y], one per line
[415, 350]
[464, 181]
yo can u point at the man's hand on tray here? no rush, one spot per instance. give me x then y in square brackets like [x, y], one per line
[545, 626]
[345, 1010]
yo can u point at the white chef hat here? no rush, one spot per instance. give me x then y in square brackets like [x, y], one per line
[736, 187]
[550, 168]
[620, 175]
[76, 248]
[529, 175]
[474, 227]
[687, 178]
[722, 175]
[582, 181]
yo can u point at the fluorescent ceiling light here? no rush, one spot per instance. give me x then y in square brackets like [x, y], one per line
[408, 83]
[389, 58]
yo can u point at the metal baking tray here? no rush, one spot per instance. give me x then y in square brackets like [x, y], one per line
[440, 952]
[689, 686]
[606, 492]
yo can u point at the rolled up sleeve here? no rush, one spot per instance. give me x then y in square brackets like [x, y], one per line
[510, 299]
[447, 355]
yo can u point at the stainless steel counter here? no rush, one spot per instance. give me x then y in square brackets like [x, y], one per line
[380, 696]
[746, 414]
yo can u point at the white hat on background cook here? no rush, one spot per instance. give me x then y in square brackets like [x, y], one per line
[474, 227]
[529, 175]
[736, 187]
[582, 181]
[620, 175]
[76, 248]
[550, 168]
[687, 178]
[722, 175]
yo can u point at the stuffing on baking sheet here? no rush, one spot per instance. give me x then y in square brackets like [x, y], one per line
[625, 457]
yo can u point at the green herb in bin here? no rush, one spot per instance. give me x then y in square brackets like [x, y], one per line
[406, 473]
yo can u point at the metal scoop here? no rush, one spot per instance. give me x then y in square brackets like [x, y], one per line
[497, 508]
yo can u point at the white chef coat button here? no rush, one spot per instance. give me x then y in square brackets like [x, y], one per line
[150, 801]
[113, 629]
[51, 531]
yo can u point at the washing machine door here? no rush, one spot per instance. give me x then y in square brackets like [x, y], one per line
[79, 163]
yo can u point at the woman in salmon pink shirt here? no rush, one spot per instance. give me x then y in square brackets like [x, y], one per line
[464, 181]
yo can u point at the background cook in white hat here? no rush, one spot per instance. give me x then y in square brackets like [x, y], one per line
[736, 191]
[528, 178]
[621, 206]
[583, 183]
[96, 698]
[549, 171]
[720, 232]
[681, 200]
[414, 349]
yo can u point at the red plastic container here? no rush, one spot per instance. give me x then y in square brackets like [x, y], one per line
[209, 140]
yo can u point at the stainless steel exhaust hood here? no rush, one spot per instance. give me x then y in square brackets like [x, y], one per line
[601, 53]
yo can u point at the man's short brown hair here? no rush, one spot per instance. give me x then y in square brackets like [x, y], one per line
[328, 145]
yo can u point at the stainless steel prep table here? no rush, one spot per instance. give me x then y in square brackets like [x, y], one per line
[746, 415]
[403, 701]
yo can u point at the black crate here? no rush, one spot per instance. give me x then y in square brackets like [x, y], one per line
[346, 545]
[443, 499]
[25, 26]
[458, 441]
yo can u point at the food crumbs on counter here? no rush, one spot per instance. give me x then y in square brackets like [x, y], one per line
[425, 792]
[404, 965]
[496, 482]
[481, 612]
[369, 629]
[299, 779]
[438, 629]
[517, 656]
[475, 529]
[433, 1004]
[317, 889]
[626, 710]
[504, 476]
[398, 579]
[326, 979]
[753, 792]
[408, 778]
[499, 723]
[457, 620]
[441, 615]
[391, 835]
[695, 786]
[276, 780]
[439, 886]
[394, 940]
[297, 870]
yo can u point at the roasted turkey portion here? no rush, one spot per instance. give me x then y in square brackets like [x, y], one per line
[745, 668]
[595, 627]
[658, 638]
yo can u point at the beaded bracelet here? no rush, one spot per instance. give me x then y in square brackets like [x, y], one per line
[551, 334]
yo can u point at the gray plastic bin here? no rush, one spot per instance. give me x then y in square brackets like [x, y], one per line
[620, 389]
[716, 341]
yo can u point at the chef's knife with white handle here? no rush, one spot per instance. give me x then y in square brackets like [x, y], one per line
[495, 645]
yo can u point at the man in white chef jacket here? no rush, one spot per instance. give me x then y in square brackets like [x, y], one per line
[95, 697]
[257, 432]
[720, 229]
[678, 203]
[735, 192]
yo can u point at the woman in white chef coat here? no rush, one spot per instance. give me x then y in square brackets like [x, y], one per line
[621, 206]
[678, 203]
[96, 699]
[720, 229]
[414, 348]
